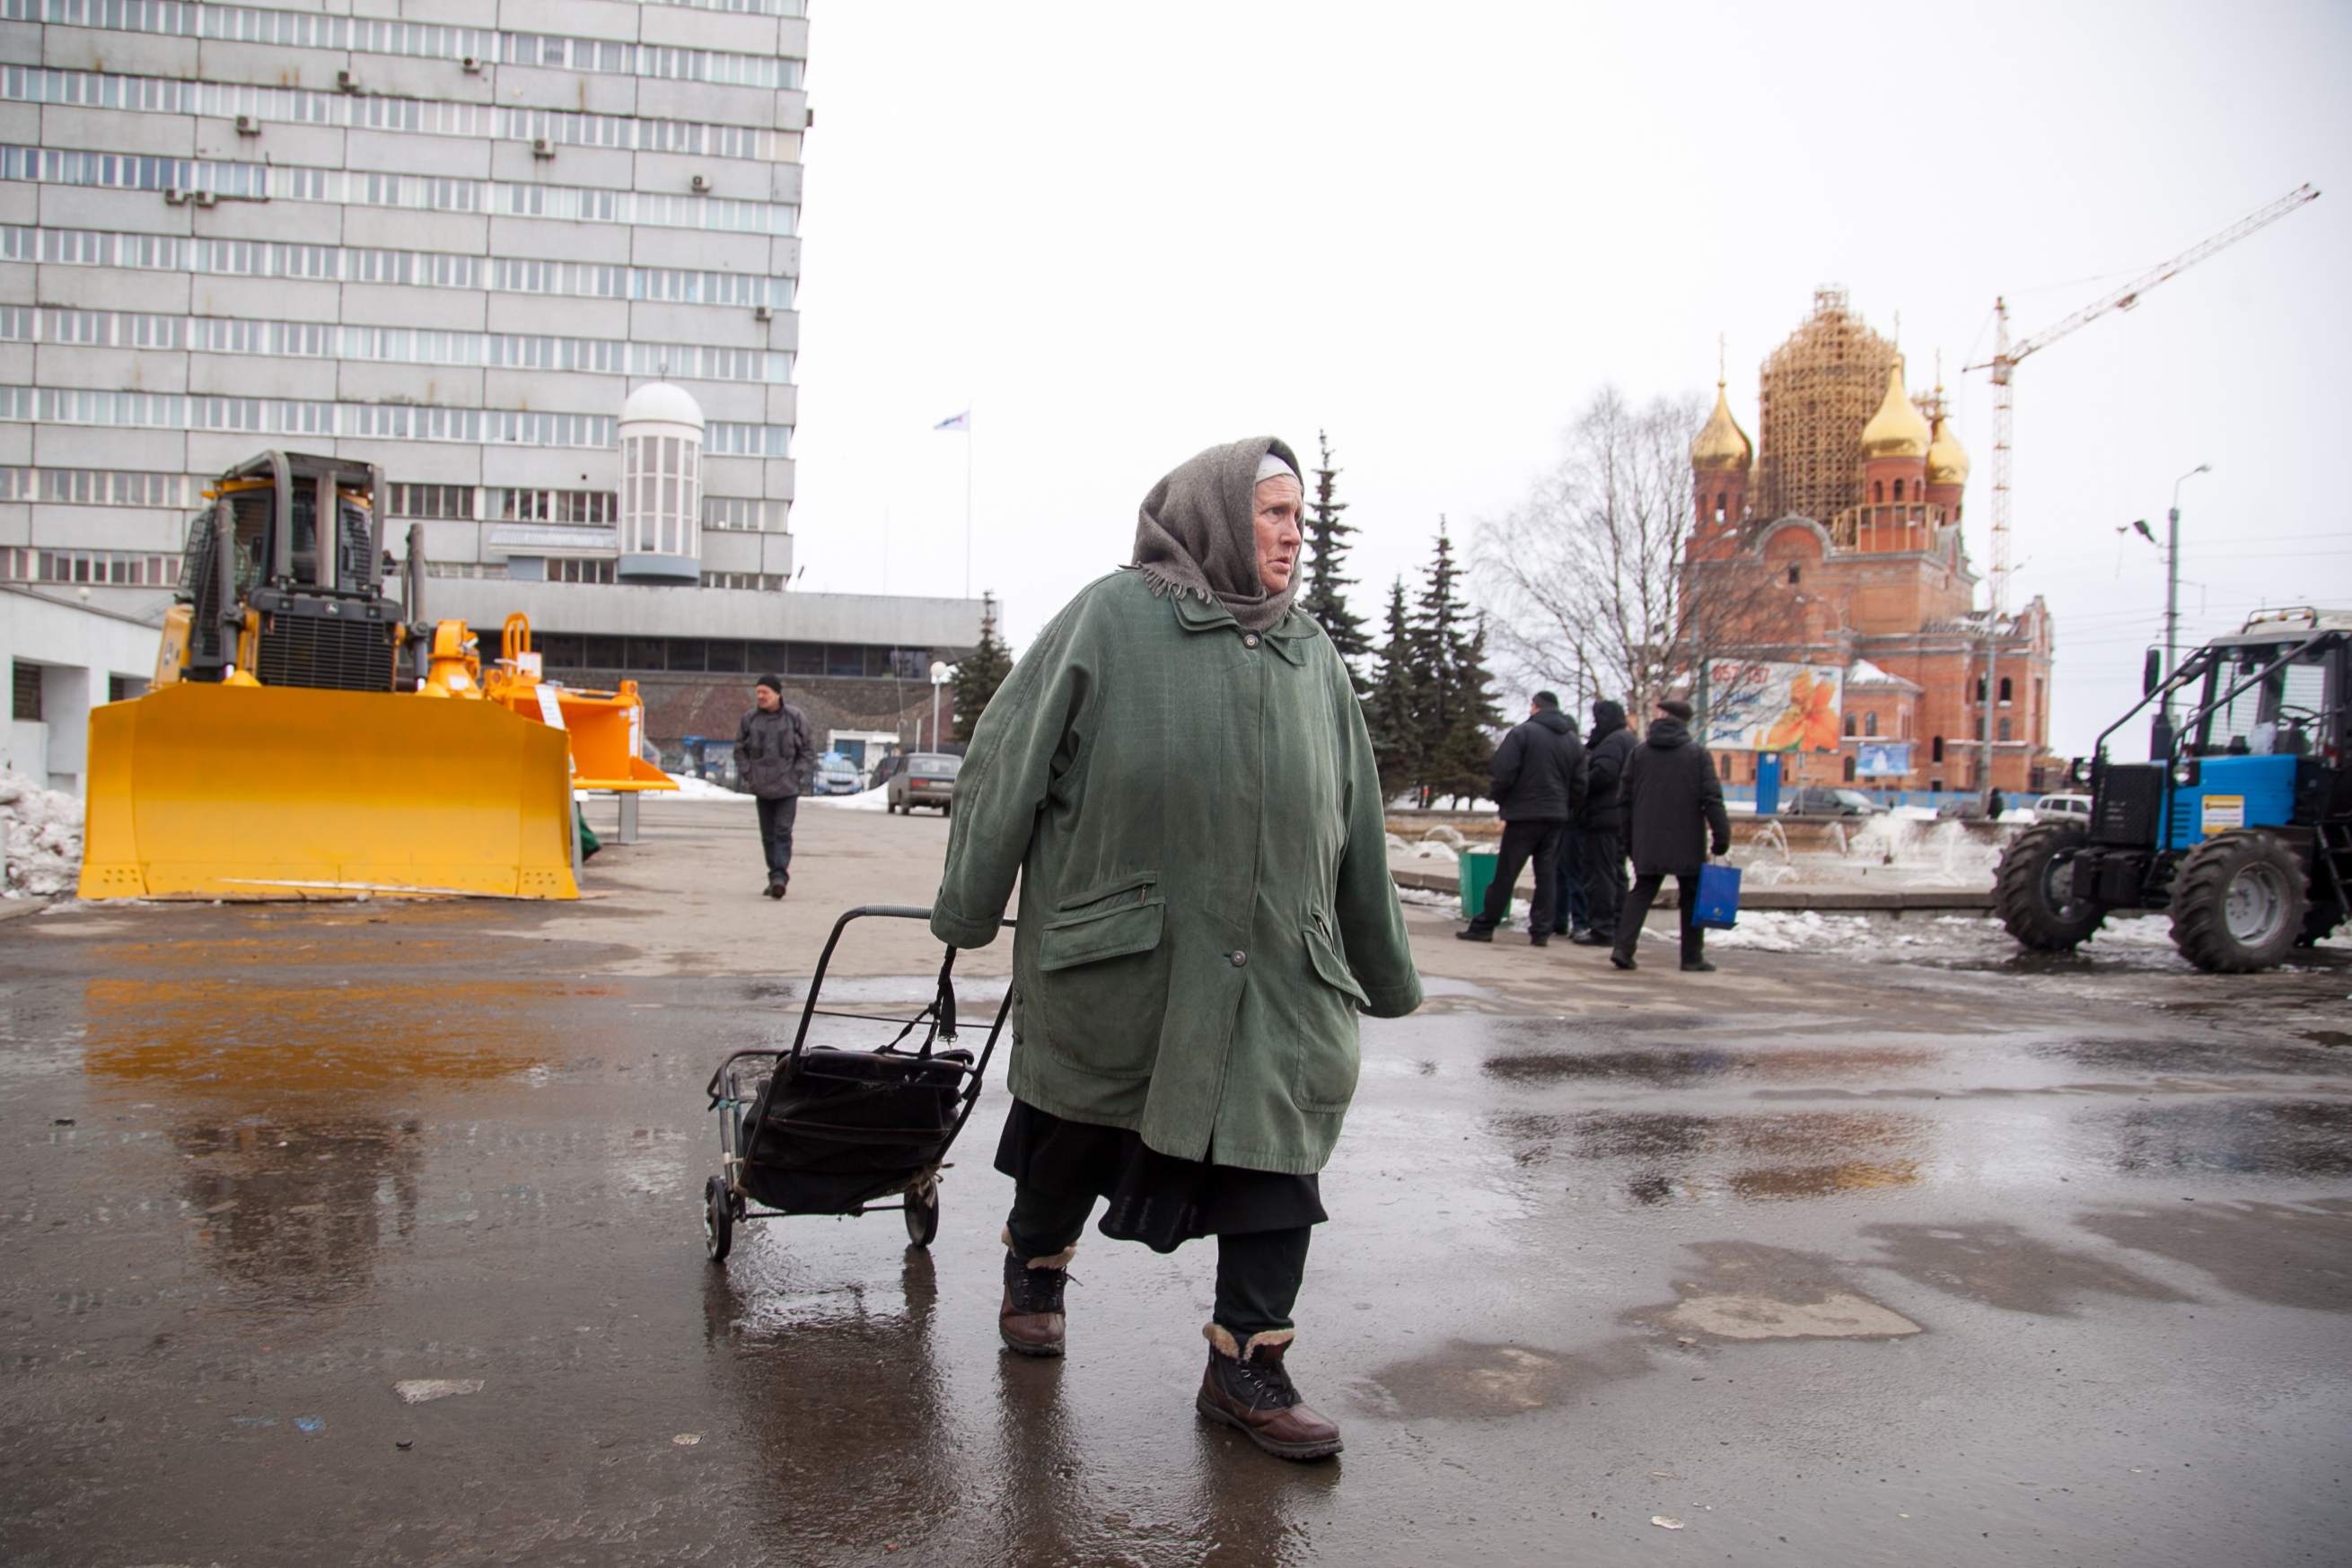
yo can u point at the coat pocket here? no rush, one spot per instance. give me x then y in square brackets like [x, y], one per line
[1103, 978]
[1332, 969]
[1127, 920]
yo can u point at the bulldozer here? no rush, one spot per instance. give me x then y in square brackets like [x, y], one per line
[2240, 824]
[310, 736]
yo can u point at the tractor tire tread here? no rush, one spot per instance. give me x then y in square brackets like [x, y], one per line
[2199, 889]
[2017, 890]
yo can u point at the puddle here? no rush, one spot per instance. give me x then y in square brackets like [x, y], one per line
[1743, 1291]
[2241, 1136]
[2291, 1254]
[2203, 1057]
[1765, 1156]
[2004, 1267]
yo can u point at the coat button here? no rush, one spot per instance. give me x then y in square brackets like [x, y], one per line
[1250, 640]
[1239, 957]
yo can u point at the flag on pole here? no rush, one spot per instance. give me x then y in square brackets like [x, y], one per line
[960, 422]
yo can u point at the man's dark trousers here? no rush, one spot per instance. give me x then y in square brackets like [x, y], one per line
[1604, 878]
[1523, 842]
[1573, 912]
[776, 832]
[1637, 909]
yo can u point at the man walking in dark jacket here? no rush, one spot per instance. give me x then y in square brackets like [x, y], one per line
[1604, 828]
[1675, 818]
[1539, 783]
[774, 752]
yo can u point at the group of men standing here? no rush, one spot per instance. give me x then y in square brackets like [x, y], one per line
[1577, 811]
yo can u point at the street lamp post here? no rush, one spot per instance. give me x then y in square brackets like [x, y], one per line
[2172, 587]
[940, 671]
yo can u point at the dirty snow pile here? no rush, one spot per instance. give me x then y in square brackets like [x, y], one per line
[875, 799]
[43, 837]
[691, 787]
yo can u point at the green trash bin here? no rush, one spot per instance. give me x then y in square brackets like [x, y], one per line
[1477, 871]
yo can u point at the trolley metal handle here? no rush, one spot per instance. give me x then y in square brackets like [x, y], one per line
[942, 1008]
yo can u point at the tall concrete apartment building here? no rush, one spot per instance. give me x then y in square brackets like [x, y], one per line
[455, 238]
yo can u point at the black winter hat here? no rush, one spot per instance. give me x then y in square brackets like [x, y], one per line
[773, 682]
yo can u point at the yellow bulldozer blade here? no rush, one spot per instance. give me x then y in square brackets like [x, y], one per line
[218, 791]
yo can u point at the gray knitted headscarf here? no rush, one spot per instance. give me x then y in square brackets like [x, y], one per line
[1197, 533]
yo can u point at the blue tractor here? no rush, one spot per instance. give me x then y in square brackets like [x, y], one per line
[2241, 825]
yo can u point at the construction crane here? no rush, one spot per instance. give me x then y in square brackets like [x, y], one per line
[2005, 356]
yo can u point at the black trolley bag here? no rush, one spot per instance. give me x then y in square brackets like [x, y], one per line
[828, 1129]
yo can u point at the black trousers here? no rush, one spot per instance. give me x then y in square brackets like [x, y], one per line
[1604, 878]
[1573, 912]
[1258, 1271]
[776, 831]
[1637, 909]
[1523, 842]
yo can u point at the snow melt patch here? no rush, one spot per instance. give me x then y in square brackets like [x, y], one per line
[43, 829]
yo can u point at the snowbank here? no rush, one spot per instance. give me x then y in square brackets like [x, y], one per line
[44, 838]
[875, 799]
[690, 787]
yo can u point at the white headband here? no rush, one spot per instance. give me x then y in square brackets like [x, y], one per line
[1273, 468]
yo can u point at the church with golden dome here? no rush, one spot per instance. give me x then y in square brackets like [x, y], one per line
[1834, 542]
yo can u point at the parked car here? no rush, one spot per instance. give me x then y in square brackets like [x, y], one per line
[2063, 808]
[1815, 802]
[927, 779]
[889, 768]
[834, 774]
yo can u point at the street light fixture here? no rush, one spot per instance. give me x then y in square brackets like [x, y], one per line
[2161, 741]
[942, 673]
[2172, 585]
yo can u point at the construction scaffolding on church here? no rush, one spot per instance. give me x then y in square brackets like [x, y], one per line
[1839, 546]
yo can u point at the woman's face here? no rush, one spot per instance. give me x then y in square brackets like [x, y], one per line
[1277, 502]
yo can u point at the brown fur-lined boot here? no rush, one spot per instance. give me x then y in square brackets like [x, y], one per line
[1247, 1386]
[1030, 1322]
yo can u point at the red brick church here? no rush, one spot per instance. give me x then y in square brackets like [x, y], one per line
[1841, 539]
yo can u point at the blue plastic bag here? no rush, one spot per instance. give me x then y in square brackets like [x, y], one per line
[1718, 906]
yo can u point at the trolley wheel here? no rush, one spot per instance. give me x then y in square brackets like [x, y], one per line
[718, 1218]
[922, 1213]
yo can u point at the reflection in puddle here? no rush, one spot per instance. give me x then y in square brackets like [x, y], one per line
[297, 1213]
[1668, 1068]
[2217, 1058]
[228, 1035]
[2243, 1137]
[1802, 1153]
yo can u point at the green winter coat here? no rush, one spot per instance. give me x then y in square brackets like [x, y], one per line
[1196, 823]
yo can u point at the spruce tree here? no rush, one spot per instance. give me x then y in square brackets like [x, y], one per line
[1393, 706]
[1327, 545]
[1460, 711]
[980, 672]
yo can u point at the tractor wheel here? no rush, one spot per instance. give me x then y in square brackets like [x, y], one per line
[2033, 894]
[2238, 904]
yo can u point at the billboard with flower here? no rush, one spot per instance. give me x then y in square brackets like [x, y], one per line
[1767, 707]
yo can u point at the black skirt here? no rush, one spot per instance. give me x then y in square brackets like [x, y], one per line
[1155, 1198]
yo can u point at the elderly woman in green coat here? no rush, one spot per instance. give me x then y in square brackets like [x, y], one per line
[1178, 775]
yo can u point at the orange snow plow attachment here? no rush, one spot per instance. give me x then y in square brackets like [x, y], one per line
[607, 728]
[238, 791]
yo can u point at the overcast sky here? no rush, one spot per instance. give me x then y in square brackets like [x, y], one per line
[1120, 234]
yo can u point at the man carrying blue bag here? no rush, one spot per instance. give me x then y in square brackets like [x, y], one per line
[1673, 819]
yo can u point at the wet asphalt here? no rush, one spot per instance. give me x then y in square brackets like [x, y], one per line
[1954, 1258]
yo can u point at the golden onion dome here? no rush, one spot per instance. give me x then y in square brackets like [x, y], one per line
[1722, 446]
[1896, 430]
[1947, 460]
